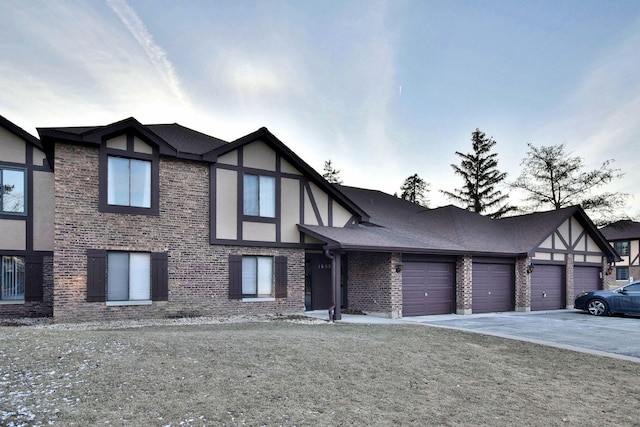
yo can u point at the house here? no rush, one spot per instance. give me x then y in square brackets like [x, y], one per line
[164, 221]
[26, 224]
[624, 236]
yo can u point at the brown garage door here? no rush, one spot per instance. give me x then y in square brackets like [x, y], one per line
[428, 288]
[548, 287]
[493, 288]
[586, 279]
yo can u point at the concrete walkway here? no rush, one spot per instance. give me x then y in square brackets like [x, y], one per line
[612, 336]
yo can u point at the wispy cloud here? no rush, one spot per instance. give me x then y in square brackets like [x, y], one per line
[155, 53]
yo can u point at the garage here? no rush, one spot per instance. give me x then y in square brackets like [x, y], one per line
[493, 287]
[548, 287]
[586, 279]
[428, 288]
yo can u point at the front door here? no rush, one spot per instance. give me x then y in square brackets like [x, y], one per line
[320, 281]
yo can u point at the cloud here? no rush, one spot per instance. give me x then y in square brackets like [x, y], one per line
[155, 53]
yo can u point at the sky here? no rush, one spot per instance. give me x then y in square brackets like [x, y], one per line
[384, 89]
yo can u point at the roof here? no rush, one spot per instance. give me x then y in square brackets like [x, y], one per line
[621, 230]
[401, 226]
[19, 132]
[177, 140]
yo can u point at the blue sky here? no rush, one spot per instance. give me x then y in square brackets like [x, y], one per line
[384, 89]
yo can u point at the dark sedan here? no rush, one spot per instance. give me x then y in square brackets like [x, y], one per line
[625, 299]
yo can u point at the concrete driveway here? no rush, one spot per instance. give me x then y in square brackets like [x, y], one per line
[617, 336]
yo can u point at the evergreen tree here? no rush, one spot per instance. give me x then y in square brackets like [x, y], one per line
[479, 171]
[330, 174]
[415, 189]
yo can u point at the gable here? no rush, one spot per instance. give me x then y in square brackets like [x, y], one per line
[13, 147]
[570, 237]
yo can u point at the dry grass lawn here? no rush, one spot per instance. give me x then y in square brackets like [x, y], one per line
[284, 374]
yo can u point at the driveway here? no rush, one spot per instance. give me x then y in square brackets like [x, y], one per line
[617, 336]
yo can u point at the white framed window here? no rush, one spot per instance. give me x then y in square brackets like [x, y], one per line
[259, 198]
[128, 182]
[128, 276]
[13, 278]
[13, 183]
[257, 277]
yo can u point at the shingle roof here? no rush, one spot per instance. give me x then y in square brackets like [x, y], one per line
[398, 225]
[186, 140]
[182, 139]
[621, 230]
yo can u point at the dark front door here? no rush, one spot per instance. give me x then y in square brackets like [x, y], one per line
[320, 267]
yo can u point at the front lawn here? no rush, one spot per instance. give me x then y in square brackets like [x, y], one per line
[283, 374]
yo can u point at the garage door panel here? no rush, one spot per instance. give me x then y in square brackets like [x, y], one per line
[586, 279]
[428, 288]
[493, 288]
[548, 288]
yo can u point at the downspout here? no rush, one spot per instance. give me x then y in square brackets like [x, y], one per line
[335, 309]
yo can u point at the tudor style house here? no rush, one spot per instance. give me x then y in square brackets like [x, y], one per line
[26, 224]
[164, 221]
[624, 236]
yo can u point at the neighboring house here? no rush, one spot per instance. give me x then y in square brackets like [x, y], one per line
[26, 224]
[624, 236]
[163, 221]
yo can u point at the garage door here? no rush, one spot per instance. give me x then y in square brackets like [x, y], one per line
[493, 288]
[586, 279]
[428, 288]
[548, 287]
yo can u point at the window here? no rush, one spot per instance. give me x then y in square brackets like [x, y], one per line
[127, 276]
[622, 248]
[13, 278]
[12, 191]
[257, 276]
[622, 273]
[129, 182]
[259, 196]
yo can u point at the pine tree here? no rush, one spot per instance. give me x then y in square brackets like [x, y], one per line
[479, 171]
[330, 174]
[415, 189]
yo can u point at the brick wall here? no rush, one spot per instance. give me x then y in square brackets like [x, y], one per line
[198, 271]
[523, 285]
[569, 275]
[374, 286]
[464, 284]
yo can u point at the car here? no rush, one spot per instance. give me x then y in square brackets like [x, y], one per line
[624, 300]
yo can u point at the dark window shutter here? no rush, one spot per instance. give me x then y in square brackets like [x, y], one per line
[235, 276]
[96, 275]
[33, 278]
[281, 277]
[159, 276]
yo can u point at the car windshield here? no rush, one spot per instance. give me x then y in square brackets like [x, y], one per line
[634, 286]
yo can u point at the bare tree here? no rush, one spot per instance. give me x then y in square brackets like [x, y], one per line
[551, 177]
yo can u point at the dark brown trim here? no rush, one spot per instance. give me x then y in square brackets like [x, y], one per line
[96, 275]
[154, 158]
[213, 198]
[314, 205]
[235, 276]
[159, 276]
[254, 243]
[280, 285]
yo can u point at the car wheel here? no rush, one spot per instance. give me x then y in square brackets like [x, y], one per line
[597, 307]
